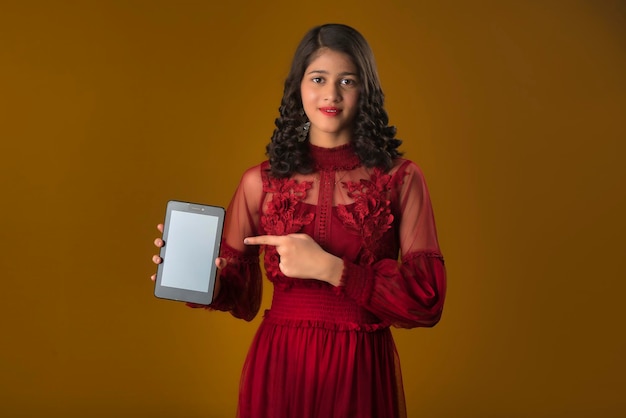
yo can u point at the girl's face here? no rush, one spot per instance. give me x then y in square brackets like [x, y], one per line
[330, 94]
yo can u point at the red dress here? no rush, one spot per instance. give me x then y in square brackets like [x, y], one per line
[324, 351]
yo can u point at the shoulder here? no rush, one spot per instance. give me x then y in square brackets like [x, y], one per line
[255, 176]
[408, 179]
[403, 167]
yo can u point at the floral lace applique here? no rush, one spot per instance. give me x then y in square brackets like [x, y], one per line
[370, 216]
[280, 216]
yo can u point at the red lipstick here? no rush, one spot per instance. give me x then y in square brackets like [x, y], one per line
[330, 111]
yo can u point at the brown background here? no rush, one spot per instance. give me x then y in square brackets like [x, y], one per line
[515, 111]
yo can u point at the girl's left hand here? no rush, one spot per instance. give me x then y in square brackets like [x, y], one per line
[302, 258]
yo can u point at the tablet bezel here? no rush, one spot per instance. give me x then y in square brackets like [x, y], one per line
[182, 294]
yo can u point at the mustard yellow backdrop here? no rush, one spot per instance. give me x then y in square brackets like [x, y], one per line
[515, 111]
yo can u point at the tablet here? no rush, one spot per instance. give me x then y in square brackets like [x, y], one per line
[192, 233]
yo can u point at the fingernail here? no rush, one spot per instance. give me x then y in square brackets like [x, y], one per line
[245, 240]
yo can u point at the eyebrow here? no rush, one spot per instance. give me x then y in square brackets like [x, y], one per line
[326, 72]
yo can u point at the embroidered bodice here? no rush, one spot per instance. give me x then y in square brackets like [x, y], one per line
[342, 201]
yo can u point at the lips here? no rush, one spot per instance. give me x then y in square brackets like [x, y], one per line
[330, 111]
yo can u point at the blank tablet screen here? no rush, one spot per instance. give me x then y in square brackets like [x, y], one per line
[190, 246]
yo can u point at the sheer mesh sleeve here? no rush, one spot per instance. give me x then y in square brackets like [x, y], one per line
[240, 281]
[410, 293]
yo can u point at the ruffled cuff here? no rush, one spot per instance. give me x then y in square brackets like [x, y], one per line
[357, 282]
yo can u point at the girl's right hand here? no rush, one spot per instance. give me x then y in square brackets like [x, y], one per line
[158, 242]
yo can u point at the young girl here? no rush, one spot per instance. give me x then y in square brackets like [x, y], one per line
[333, 211]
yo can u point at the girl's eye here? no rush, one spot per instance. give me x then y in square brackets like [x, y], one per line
[348, 82]
[317, 80]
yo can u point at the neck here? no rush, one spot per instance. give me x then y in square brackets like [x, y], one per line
[337, 158]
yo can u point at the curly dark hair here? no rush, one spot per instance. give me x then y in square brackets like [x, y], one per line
[373, 139]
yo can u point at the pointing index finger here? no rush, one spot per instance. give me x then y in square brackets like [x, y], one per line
[263, 240]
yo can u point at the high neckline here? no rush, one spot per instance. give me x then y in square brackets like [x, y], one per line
[338, 158]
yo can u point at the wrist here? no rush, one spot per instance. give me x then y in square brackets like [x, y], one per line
[335, 270]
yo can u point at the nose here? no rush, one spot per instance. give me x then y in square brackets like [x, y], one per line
[332, 93]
